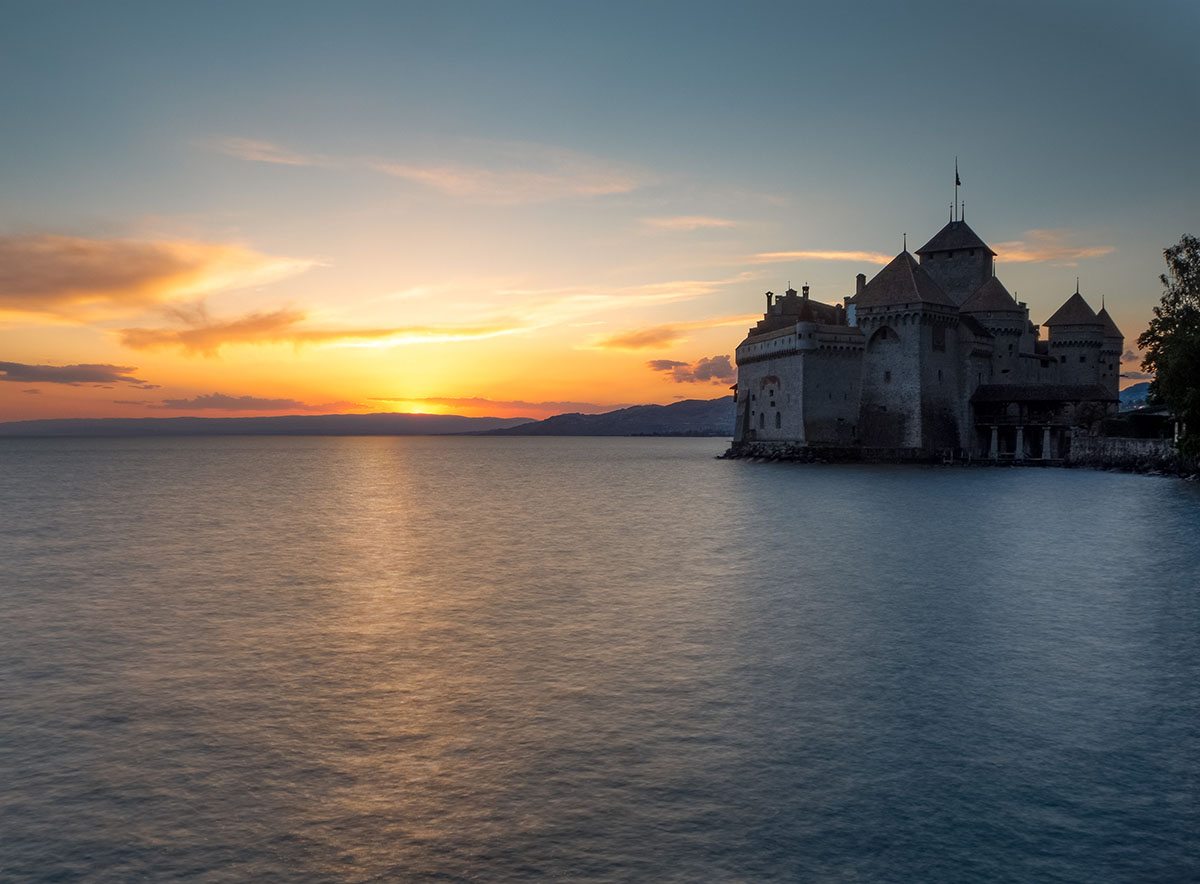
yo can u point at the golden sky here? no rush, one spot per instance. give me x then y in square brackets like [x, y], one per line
[406, 208]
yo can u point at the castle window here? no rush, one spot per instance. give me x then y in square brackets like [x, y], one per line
[1062, 358]
[1083, 359]
[939, 337]
[971, 253]
[778, 420]
[939, 375]
[887, 377]
[762, 419]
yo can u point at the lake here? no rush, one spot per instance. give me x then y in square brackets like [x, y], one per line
[587, 659]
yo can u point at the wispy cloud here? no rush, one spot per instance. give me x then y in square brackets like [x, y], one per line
[72, 375]
[532, 175]
[664, 335]
[1047, 245]
[824, 255]
[706, 370]
[225, 402]
[72, 277]
[256, 151]
[687, 223]
[496, 172]
[1138, 375]
[201, 334]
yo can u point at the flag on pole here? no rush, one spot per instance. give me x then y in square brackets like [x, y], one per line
[957, 180]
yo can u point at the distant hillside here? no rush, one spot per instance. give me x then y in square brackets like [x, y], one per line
[1135, 395]
[691, 417]
[287, 425]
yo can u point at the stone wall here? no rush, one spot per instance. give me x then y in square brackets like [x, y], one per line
[1139, 455]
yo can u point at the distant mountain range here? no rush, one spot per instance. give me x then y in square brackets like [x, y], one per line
[287, 425]
[1135, 394]
[691, 417]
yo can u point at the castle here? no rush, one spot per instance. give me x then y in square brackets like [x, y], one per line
[931, 357]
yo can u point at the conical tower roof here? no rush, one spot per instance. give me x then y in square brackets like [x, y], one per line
[903, 281]
[991, 297]
[1074, 312]
[954, 236]
[1110, 327]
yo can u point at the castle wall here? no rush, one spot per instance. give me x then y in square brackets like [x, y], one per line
[832, 394]
[941, 412]
[890, 414]
[1077, 351]
[959, 273]
[770, 390]
[1110, 364]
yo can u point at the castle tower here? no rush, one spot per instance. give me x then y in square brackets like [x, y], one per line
[909, 390]
[1076, 339]
[958, 260]
[998, 311]
[1110, 354]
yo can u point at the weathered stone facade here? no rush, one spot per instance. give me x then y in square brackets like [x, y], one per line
[931, 357]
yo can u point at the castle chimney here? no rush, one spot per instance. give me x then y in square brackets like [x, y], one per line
[860, 283]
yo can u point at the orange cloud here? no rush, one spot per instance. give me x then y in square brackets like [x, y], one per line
[665, 335]
[66, 275]
[1047, 245]
[825, 255]
[688, 222]
[206, 336]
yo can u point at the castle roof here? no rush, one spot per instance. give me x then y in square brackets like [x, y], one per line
[954, 236]
[1110, 327]
[1042, 393]
[974, 326]
[1074, 312]
[903, 281]
[991, 297]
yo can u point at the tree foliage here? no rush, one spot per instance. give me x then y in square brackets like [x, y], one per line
[1172, 341]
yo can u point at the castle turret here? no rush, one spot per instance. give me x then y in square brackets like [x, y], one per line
[958, 260]
[908, 389]
[1076, 339]
[1110, 353]
[998, 311]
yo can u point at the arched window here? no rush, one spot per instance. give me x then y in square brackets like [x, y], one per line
[778, 420]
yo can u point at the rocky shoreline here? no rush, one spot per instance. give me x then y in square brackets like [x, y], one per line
[1156, 464]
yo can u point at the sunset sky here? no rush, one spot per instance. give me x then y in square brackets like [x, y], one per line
[528, 208]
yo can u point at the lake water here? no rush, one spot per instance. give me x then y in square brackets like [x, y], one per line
[354, 659]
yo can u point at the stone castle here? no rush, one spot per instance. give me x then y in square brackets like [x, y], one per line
[931, 357]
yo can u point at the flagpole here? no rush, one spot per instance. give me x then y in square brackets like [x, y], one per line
[956, 183]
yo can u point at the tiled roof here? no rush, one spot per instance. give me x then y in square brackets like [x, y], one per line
[1074, 312]
[1110, 327]
[991, 297]
[903, 281]
[954, 236]
[1042, 393]
[973, 324]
